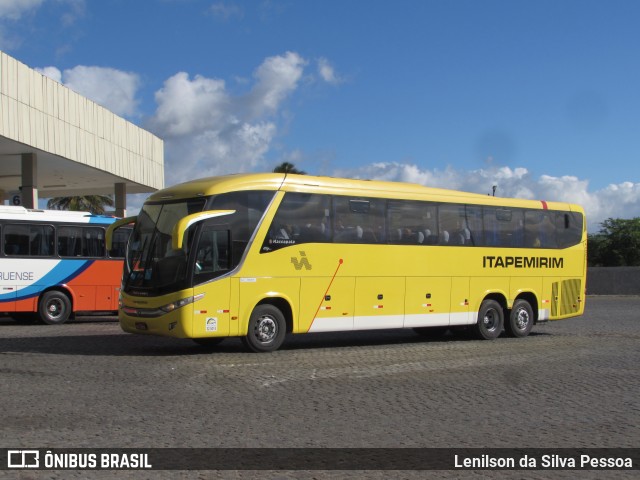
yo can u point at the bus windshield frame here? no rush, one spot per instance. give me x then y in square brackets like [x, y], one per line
[150, 247]
[154, 266]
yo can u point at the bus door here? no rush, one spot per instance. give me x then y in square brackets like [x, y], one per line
[428, 302]
[211, 288]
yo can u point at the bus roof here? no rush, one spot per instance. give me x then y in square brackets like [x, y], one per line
[340, 186]
[9, 212]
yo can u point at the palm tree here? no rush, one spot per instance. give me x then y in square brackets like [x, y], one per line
[92, 203]
[287, 167]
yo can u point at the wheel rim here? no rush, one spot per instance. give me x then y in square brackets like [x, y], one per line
[522, 319]
[266, 329]
[490, 320]
[55, 309]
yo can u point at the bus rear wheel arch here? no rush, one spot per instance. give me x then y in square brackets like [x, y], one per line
[490, 320]
[521, 319]
[54, 307]
[267, 329]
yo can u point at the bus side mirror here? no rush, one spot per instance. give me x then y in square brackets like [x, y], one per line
[114, 226]
[177, 236]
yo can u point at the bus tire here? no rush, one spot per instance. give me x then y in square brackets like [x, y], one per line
[490, 320]
[520, 319]
[267, 329]
[54, 308]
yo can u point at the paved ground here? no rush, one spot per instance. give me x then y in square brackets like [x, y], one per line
[573, 383]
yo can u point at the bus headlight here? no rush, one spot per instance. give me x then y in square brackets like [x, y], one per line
[170, 307]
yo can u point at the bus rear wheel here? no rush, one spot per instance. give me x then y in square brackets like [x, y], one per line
[520, 320]
[490, 320]
[54, 308]
[267, 329]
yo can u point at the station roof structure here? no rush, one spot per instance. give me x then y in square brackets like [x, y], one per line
[55, 142]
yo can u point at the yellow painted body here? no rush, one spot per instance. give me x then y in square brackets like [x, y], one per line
[336, 287]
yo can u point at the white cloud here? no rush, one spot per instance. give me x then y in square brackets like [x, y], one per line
[51, 72]
[209, 131]
[616, 200]
[276, 78]
[15, 9]
[11, 11]
[77, 9]
[14, 14]
[327, 72]
[226, 11]
[113, 89]
[190, 107]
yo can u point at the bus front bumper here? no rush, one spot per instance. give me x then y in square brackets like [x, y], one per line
[168, 325]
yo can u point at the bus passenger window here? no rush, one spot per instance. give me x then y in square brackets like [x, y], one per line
[301, 218]
[69, 241]
[453, 225]
[29, 240]
[411, 222]
[359, 220]
[569, 226]
[503, 227]
[93, 245]
[16, 240]
[539, 229]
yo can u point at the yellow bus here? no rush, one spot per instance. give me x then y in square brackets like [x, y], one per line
[262, 255]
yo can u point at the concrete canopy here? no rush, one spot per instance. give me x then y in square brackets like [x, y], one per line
[55, 142]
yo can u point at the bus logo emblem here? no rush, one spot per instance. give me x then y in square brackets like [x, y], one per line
[303, 262]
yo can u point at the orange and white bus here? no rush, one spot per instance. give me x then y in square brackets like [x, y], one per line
[54, 263]
[262, 255]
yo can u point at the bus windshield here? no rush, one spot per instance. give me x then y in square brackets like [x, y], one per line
[154, 267]
[151, 262]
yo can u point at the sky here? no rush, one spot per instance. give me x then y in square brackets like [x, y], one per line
[538, 97]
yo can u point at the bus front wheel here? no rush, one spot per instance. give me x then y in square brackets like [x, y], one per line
[55, 308]
[520, 320]
[490, 320]
[267, 328]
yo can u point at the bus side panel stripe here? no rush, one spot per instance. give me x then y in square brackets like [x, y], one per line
[331, 324]
[63, 272]
[430, 320]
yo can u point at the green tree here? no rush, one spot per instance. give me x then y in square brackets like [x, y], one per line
[91, 203]
[617, 244]
[287, 167]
